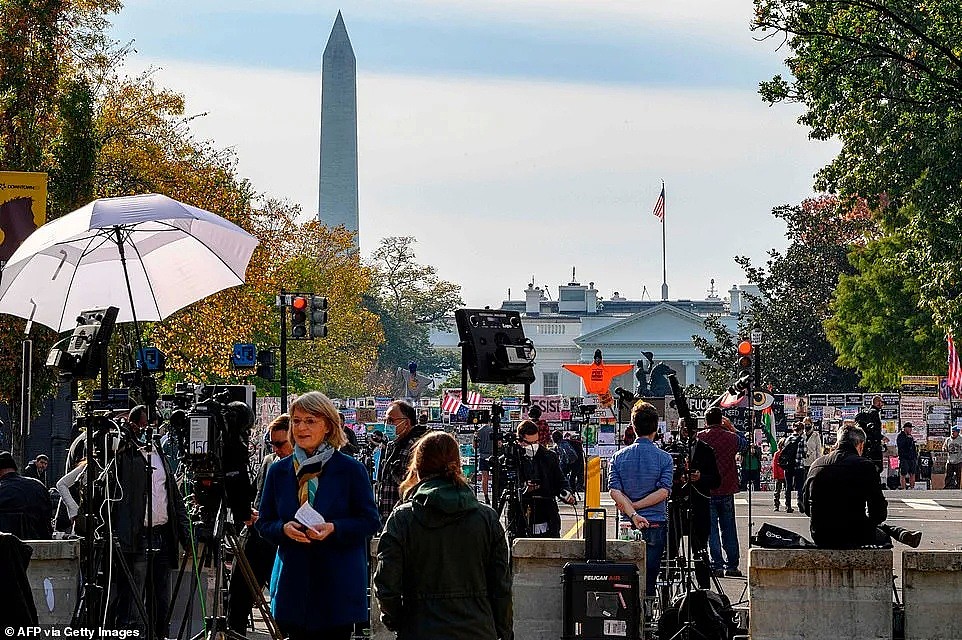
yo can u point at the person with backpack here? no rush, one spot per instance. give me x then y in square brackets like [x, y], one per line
[566, 455]
[792, 461]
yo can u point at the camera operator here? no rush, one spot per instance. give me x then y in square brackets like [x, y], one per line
[149, 539]
[260, 553]
[695, 475]
[871, 423]
[541, 482]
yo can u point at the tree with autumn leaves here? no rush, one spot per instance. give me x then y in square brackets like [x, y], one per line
[98, 134]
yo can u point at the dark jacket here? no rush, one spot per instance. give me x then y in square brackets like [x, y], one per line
[843, 497]
[871, 422]
[322, 583]
[16, 594]
[702, 460]
[25, 509]
[908, 450]
[393, 469]
[130, 510]
[31, 471]
[443, 568]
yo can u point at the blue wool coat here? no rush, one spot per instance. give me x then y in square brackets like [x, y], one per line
[324, 583]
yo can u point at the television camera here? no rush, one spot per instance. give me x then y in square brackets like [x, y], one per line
[212, 434]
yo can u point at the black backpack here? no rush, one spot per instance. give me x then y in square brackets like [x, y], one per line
[789, 454]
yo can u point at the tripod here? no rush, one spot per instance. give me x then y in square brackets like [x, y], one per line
[215, 624]
[99, 549]
[689, 611]
[506, 502]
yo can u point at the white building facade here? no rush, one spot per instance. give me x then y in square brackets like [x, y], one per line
[569, 329]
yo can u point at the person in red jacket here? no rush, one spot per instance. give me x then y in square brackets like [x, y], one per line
[778, 474]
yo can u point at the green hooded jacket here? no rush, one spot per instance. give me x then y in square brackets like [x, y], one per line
[443, 569]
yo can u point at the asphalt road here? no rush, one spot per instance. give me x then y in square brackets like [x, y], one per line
[937, 514]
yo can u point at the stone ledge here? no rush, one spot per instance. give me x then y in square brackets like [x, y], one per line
[561, 549]
[820, 559]
[932, 560]
[54, 549]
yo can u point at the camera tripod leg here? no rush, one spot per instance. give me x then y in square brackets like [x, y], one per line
[242, 563]
[91, 593]
[203, 559]
[134, 596]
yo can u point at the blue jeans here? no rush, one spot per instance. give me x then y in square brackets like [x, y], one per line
[722, 533]
[654, 538]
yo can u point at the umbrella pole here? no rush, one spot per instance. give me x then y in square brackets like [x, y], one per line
[149, 393]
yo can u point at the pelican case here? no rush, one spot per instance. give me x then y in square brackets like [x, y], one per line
[600, 601]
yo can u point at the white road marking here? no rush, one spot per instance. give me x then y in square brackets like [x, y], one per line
[925, 505]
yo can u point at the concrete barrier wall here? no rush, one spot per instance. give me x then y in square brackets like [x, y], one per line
[53, 574]
[798, 594]
[536, 590]
[932, 594]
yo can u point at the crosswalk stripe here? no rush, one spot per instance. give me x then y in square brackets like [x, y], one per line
[925, 505]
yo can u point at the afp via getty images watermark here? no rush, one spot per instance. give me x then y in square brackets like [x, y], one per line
[69, 632]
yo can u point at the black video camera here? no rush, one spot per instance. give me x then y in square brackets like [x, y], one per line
[212, 438]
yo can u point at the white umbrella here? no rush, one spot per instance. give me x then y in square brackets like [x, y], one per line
[148, 255]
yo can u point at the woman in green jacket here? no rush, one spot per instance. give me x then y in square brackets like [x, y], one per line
[443, 569]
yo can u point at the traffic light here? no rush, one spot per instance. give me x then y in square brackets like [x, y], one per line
[265, 366]
[318, 317]
[745, 357]
[299, 309]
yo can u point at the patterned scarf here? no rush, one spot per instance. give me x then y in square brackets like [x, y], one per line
[308, 468]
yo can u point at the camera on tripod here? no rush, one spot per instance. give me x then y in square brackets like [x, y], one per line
[212, 434]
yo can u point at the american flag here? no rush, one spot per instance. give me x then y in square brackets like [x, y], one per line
[474, 399]
[660, 205]
[955, 372]
[451, 403]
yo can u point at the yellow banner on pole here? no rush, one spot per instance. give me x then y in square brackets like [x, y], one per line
[23, 208]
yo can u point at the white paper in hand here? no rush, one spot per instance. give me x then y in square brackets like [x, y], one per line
[308, 517]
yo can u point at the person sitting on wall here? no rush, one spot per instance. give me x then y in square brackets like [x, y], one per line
[844, 500]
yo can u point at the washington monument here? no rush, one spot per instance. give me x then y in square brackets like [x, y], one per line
[337, 197]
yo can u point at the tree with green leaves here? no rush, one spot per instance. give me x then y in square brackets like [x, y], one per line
[795, 288]
[877, 323]
[410, 299]
[884, 77]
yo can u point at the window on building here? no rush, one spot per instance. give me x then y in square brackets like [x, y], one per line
[571, 295]
[550, 380]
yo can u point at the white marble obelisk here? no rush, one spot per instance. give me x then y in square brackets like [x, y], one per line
[337, 197]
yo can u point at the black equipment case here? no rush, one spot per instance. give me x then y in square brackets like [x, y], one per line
[600, 601]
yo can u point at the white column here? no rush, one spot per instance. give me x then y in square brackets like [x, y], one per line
[691, 371]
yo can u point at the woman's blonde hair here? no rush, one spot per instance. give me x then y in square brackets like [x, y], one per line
[318, 404]
[435, 455]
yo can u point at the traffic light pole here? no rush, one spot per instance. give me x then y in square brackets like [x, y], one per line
[283, 309]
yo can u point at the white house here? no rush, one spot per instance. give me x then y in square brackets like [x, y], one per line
[570, 328]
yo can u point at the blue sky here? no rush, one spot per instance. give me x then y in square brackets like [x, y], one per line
[421, 43]
[511, 137]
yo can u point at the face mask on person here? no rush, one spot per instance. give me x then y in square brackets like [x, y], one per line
[531, 448]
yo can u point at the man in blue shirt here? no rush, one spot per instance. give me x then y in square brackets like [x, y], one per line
[639, 479]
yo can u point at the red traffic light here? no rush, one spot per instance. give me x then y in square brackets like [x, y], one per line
[745, 348]
[299, 303]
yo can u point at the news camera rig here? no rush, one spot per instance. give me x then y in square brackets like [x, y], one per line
[494, 350]
[686, 611]
[211, 427]
[83, 356]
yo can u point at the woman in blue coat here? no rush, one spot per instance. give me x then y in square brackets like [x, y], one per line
[321, 577]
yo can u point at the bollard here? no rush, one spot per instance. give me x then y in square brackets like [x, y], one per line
[593, 483]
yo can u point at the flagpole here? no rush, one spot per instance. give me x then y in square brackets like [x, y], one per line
[664, 256]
